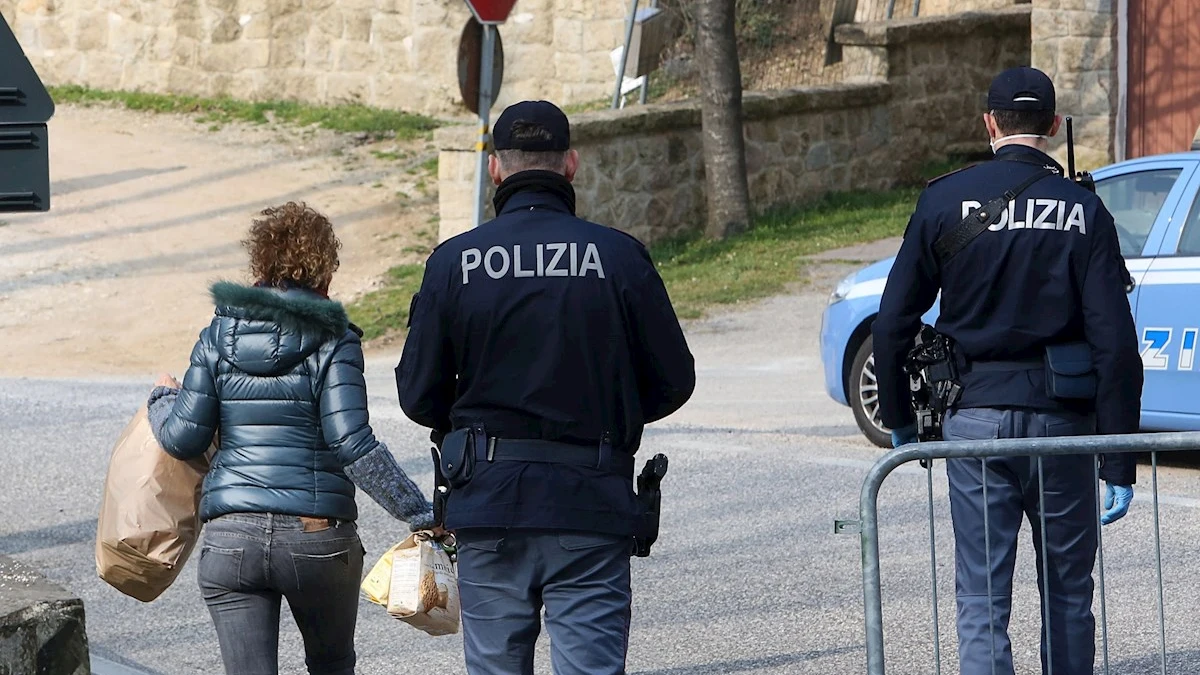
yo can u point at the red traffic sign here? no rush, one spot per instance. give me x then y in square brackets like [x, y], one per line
[470, 54]
[492, 12]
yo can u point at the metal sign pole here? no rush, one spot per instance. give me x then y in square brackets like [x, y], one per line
[625, 53]
[486, 64]
[645, 93]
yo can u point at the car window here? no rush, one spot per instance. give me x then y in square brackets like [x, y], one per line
[1189, 241]
[1134, 199]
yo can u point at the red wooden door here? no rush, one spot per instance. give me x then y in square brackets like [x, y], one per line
[1164, 76]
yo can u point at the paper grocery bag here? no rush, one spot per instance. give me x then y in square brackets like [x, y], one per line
[149, 519]
[418, 584]
[379, 579]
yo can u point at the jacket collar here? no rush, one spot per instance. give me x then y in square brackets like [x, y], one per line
[296, 307]
[1031, 155]
[535, 199]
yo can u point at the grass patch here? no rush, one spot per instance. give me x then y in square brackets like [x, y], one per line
[379, 312]
[388, 155]
[346, 118]
[755, 264]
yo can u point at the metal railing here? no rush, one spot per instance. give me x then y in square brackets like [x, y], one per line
[868, 525]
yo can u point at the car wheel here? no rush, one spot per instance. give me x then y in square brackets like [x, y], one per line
[863, 391]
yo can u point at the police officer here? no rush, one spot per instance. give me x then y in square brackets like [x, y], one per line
[1046, 274]
[548, 343]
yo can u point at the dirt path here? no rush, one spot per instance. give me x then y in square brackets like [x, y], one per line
[147, 210]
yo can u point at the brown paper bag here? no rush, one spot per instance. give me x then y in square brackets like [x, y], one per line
[417, 582]
[149, 516]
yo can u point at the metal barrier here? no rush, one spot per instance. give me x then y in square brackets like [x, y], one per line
[1001, 448]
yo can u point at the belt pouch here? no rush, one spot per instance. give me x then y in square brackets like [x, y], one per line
[458, 458]
[1070, 373]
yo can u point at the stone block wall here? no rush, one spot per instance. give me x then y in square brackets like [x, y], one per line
[940, 69]
[41, 625]
[943, 7]
[1075, 43]
[388, 53]
[643, 170]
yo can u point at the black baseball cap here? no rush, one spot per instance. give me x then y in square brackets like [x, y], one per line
[1021, 88]
[542, 113]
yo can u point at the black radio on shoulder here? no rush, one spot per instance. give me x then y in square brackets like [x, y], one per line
[1081, 178]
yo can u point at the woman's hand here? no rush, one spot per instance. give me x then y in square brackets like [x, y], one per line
[166, 380]
[439, 532]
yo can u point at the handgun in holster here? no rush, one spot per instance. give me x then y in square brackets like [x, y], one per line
[933, 381]
[649, 496]
[441, 486]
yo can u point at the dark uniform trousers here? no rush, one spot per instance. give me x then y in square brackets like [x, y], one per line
[1072, 519]
[581, 579]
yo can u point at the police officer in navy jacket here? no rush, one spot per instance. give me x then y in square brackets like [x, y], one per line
[1047, 273]
[553, 341]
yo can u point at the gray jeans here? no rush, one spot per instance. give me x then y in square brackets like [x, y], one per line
[249, 562]
[581, 579]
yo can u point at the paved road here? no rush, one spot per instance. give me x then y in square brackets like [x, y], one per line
[748, 576]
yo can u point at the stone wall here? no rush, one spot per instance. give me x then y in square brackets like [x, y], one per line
[943, 7]
[1075, 43]
[389, 53]
[642, 168]
[940, 69]
[41, 625]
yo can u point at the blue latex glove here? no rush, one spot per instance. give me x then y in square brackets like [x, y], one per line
[1116, 503]
[904, 435]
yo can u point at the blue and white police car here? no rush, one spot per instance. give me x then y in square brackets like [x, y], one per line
[1155, 202]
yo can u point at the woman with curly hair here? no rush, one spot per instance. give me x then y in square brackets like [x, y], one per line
[279, 373]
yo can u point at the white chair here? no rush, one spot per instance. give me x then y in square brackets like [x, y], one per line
[628, 84]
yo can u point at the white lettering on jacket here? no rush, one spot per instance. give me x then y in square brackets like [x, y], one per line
[1039, 214]
[539, 260]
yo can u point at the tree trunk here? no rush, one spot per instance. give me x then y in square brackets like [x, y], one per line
[721, 99]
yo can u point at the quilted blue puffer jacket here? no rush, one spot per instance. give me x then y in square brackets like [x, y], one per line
[280, 373]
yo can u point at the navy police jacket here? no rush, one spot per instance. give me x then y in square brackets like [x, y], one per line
[540, 325]
[1049, 272]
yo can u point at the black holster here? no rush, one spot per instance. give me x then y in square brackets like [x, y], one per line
[649, 496]
[932, 367]
[453, 465]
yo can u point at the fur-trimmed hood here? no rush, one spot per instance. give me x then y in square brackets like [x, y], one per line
[266, 330]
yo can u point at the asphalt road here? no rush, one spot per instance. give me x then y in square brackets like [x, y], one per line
[747, 577]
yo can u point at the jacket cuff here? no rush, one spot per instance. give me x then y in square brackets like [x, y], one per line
[1119, 468]
[158, 409]
[424, 521]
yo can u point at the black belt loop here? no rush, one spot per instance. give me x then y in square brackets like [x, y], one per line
[484, 447]
[604, 458]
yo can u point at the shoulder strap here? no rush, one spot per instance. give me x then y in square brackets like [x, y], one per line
[981, 218]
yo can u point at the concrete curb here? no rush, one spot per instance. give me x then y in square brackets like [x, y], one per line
[102, 666]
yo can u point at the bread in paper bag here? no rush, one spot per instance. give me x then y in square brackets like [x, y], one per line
[417, 582]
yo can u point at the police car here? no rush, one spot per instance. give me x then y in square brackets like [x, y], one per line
[1155, 202]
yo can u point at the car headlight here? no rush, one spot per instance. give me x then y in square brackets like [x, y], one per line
[842, 290]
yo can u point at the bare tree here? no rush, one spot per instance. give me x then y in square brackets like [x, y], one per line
[721, 100]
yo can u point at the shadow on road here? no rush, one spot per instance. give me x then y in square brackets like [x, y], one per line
[1151, 664]
[74, 532]
[752, 665]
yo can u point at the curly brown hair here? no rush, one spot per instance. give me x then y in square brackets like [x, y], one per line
[293, 244]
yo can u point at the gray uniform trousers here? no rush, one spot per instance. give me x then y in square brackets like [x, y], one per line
[582, 580]
[1072, 519]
